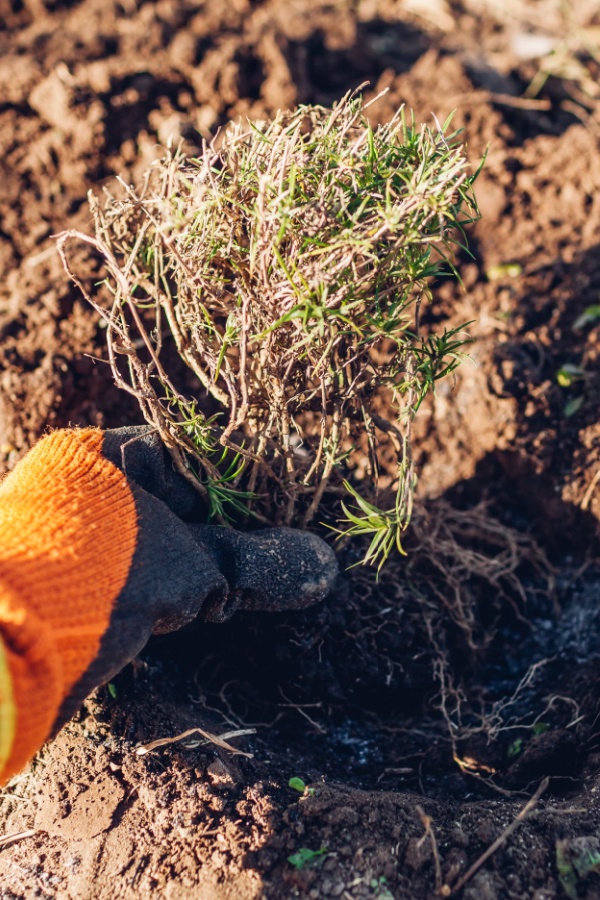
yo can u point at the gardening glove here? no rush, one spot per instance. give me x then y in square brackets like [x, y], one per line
[273, 569]
[94, 559]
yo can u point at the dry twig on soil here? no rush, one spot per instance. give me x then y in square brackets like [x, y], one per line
[219, 740]
[447, 891]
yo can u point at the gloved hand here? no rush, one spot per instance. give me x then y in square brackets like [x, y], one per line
[273, 569]
[94, 558]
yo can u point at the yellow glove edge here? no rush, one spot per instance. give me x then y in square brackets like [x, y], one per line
[8, 712]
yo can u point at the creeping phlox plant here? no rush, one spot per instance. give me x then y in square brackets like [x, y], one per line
[287, 267]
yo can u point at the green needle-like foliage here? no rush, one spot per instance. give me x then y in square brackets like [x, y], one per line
[288, 264]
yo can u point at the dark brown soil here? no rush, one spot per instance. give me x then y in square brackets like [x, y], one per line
[425, 709]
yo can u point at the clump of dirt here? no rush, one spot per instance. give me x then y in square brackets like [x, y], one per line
[421, 710]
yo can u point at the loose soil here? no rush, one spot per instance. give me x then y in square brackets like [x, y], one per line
[422, 710]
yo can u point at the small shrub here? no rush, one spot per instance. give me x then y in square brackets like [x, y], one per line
[288, 264]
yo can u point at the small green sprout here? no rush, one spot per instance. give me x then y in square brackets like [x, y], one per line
[568, 374]
[504, 272]
[518, 745]
[299, 785]
[576, 858]
[305, 857]
[573, 406]
[380, 889]
[587, 861]
[566, 872]
[112, 690]
[515, 748]
[540, 727]
[589, 316]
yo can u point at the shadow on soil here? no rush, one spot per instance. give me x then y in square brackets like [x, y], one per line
[351, 689]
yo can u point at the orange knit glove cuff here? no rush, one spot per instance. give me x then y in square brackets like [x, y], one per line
[68, 530]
